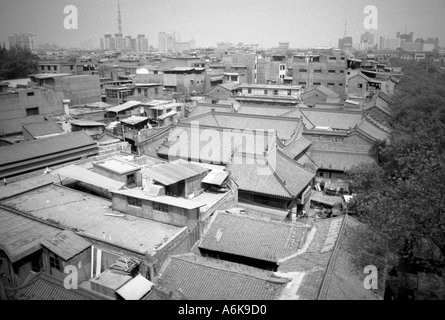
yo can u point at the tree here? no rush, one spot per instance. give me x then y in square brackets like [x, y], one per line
[17, 63]
[404, 197]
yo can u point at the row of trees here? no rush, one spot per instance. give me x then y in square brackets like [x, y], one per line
[403, 197]
[17, 63]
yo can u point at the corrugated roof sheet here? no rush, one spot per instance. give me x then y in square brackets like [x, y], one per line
[87, 123]
[43, 147]
[215, 177]
[134, 120]
[37, 129]
[21, 236]
[252, 237]
[89, 177]
[65, 244]
[124, 106]
[199, 278]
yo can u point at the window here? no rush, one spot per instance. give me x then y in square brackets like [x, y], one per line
[135, 202]
[317, 71]
[55, 68]
[302, 70]
[156, 90]
[320, 174]
[36, 263]
[338, 139]
[282, 67]
[32, 112]
[343, 58]
[289, 92]
[160, 207]
[275, 92]
[332, 58]
[331, 71]
[55, 262]
[342, 71]
[331, 84]
[249, 90]
[302, 83]
[131, 180]
[30, 94]
[360, 85]
[49, 68]
[340, 84]
[42, 67]
[265, 91]
[71, 67]
[317, 83]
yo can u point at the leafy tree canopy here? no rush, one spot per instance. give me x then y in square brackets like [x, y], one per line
[404, 196]
[17, 63]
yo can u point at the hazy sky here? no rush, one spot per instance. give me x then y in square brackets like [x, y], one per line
[303, 23]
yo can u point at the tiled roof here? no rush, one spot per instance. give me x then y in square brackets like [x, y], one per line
[344, 276]
[43, 147]
[265, 110]
[286, 127]
[229, 86]
[370, 127]
[297, 147]
[170, 173]
[312, 263]
[66, 244]
[337, 160]
[275, 174]
[199, 278]
[37, 129]
[46, 287]
[20, 236]
[182, 142]
[325, 90]
[253, 237]
[380, 102]
[205, 108]
[335, 119]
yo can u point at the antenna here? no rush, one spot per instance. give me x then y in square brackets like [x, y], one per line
[346, 24]
[119, 18]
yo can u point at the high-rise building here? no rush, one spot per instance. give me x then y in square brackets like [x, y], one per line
[167, 42]
[23, 40]
[345, 44]
[283, 46]
[141, 43]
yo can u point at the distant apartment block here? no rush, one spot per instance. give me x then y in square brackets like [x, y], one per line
[315, 70]
[23, 40]
[167, 42]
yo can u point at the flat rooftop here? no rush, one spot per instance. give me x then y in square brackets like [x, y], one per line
[118, 166]
[88, 214]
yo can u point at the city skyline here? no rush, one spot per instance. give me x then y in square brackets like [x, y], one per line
[301, 23]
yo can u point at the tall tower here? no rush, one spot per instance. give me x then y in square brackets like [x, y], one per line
[119, 18]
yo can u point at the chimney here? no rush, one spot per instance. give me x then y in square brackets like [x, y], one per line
[66, 103]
